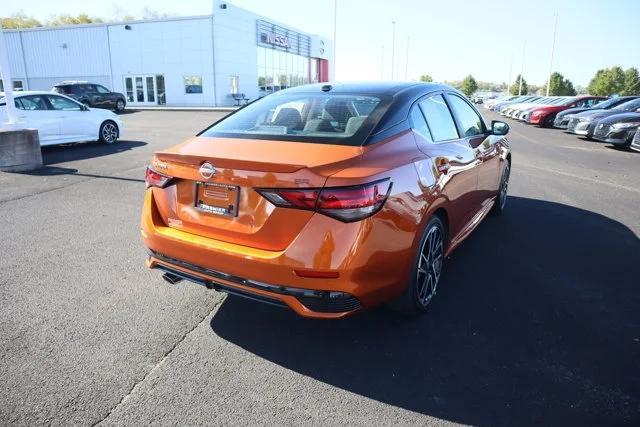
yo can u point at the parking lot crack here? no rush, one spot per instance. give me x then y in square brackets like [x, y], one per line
[158, 364]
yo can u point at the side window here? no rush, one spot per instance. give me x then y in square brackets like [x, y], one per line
[33, 103]
[102, 89]
[419, 125]
[470, 120]
[439, 118]
[60, 103]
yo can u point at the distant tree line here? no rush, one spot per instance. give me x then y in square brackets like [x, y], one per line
[20, 20]
[606, 82]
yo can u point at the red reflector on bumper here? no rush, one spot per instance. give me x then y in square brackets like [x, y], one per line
[315, 274]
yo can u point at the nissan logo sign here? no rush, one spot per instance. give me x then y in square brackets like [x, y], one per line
[207, 170]
[278, 40]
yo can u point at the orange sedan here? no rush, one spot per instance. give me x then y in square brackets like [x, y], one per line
[327, 198]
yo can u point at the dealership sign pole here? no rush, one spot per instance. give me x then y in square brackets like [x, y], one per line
[6, 81]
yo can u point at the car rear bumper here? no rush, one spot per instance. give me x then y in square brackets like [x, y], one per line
[303, 301]
[367, 274]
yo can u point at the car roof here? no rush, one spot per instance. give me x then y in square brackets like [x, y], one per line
[369, 88]
[31, 92]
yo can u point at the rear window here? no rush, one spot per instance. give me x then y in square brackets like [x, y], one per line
[66, 90]
[628, 106]
[326, 118]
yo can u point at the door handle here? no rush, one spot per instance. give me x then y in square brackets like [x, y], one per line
[459, 157]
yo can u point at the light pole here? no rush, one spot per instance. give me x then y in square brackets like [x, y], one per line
[393, 48]
[406, 63]
[553, 48]
[382, 64]
[12, 116]
[524, 48]
[510, 74]
[335, 35]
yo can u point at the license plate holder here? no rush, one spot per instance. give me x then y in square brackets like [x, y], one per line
[217, 199]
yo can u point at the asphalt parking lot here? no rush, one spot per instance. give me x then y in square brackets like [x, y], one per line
[536, 323]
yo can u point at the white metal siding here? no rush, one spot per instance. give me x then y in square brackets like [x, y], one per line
[235, 50]
[15, 56]
[173, 48]
[59, 54]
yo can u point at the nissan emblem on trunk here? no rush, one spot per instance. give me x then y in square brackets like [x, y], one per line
[207, 170]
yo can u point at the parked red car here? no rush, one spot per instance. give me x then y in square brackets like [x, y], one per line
[545, 115]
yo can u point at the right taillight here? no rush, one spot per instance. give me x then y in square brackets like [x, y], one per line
[346, 204]
[156, 179]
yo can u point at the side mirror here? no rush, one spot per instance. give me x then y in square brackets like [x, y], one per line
[84, 107]
[499, 128]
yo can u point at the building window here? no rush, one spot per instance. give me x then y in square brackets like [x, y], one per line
[193, 84]
[17, 85]
[279, 70]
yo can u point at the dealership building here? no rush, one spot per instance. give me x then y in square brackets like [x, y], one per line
[211, 60]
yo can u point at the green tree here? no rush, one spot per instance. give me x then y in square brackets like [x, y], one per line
[19, 20]
[469, 85]
[82, 18]
[559, 86]
[606, 82]
[426, 78]
[515, 88]
[631, 82]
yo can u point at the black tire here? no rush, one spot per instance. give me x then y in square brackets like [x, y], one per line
[501, 198]
[109, 132]
[426, 272]
[548, 121]
[120, 105]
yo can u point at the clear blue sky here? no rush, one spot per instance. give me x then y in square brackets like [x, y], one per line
[448, 39]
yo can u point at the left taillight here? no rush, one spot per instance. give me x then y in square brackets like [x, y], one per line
[156, 179]
[346, 204]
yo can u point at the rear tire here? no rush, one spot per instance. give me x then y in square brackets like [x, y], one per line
[109, 132]
[501, 198]
[426, 273]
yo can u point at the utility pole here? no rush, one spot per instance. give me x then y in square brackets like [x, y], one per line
[406, 63]
[553, 48]
[393, 48]
[335, 35]
[524, 48]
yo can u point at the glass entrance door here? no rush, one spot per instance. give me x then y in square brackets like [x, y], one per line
[141, 90]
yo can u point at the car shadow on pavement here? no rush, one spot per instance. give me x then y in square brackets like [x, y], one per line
[55, 154]
[537, 322]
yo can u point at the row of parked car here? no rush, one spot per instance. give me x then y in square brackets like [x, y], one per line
[614, 120]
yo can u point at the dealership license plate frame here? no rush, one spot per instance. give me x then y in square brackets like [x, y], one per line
[221, 199]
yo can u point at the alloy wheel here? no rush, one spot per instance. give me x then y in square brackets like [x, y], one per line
[504, 186]
[120, 105]
[430, 265]
[109, 133]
